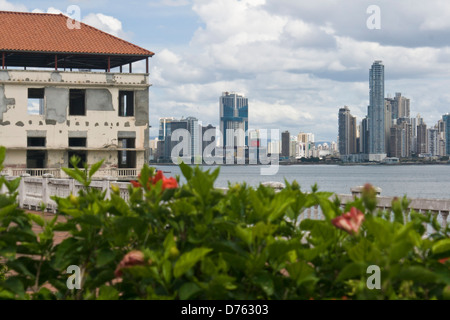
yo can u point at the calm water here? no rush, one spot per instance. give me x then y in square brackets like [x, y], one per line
[423, 181]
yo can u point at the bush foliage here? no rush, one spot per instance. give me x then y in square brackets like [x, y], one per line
[195, 242]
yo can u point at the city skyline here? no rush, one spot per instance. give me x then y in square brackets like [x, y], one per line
[291, 58]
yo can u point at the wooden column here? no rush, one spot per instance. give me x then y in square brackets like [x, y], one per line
[3, 60]
[146, 65]
[131, 68]
[109, 64]
[120, 69]
[56, 62]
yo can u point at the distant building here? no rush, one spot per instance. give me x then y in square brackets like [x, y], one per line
[233, 116]
[446, 119]
[433, 142]
[422, 140]
[306, 145]
[400, 140]
[212, 140]
[347, 132]
[376, 113]
[402, 106]
[285, 144]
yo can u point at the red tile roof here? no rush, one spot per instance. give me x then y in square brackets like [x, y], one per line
[41, 32]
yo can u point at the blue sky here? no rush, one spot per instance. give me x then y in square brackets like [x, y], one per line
[298, 62]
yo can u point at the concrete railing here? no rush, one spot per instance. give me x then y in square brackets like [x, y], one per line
[59, 173]
[35, 191]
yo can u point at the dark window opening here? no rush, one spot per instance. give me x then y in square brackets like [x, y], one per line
[36, 101]
[82, 155]
[77, 103]
[36, 142]
[77, 142]
[126, 103]
[36, 159]
[127, 159]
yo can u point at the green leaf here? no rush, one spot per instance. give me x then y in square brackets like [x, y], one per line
[108, 293]
[2, 155]
[265, 282]
[37, 219]
[104, 257]
[441, 246]
[300, 272]
[418, 275]
[352, 270]
[74, 174]
[7, 210]
[95, 168]
[16, 286]
[186, 170]
[362, 252]
[188, 260]
[188, 291]
[399, 250]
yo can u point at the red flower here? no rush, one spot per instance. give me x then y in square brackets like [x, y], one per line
[133, 258]
[350, 221]
[167, 183]
[444, 260]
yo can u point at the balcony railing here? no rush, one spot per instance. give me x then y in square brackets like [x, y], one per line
[114, 173]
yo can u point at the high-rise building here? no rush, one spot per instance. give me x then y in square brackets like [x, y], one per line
[195, 143]
[347, 132]
[446, 119]
[433, 141]
[388, 122]
[233, 117]
[376, 112]
[422, 140]
[392, 107]
[402, 106]
[306, 143]
[364, 136]
[207, 143]
[285, 144]
[400, 140]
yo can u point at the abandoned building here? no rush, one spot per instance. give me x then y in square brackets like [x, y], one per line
[70, 90]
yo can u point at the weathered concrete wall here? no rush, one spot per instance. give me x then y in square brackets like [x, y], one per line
[4, 102]
[57, 103]
[16, 159]
[141, 107]
[99, 100]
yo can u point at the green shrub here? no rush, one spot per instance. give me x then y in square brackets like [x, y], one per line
[196, 242]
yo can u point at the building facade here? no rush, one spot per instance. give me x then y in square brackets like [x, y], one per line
[233, 119]
[446, 120]
[53, 108]
[376, 111]
[347, 132]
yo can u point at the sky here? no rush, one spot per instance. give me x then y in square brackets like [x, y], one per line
[298, 62]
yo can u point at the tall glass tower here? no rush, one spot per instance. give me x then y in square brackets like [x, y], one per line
[376, 110]
[446, 119]
[233, 117]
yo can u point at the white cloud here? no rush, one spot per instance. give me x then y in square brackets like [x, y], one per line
[8, 6]
[298, 62]
[105, 23]
[170, 3]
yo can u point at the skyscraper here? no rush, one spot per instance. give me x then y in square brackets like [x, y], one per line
[347, 132]
[446, 119]
[233, 116]
[422, 140]
[376, 111]
[285, 144]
